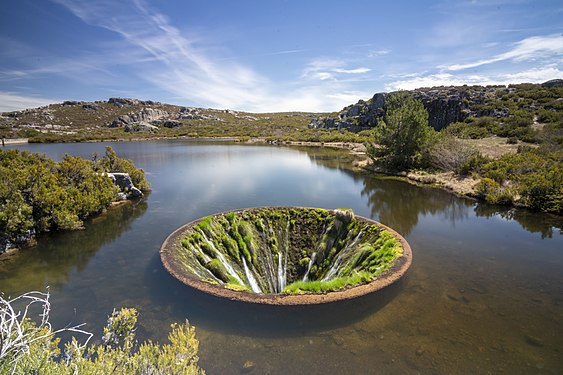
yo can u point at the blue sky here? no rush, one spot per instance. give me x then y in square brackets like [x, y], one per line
[266, 56]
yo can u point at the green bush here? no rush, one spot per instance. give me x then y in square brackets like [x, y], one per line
[37, 194]
[111, 163]
[535, 174]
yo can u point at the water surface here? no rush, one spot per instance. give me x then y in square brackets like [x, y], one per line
[484, 293]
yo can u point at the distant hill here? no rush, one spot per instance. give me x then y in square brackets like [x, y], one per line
[119, 118]
[472, 111]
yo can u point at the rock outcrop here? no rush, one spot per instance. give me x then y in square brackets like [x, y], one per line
[126, 102]
[445, 105]
[125, 184]
[146, 115]
[190, 113]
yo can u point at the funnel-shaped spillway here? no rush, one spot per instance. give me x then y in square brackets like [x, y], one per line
[286, 255]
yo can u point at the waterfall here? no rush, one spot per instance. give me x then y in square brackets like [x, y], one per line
[309, 266]
[224, 261]
[340, 257]
[282, 260]
[269, 266]
[281, 273]
[250, 277]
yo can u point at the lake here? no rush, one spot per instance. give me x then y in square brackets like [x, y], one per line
[484, 293]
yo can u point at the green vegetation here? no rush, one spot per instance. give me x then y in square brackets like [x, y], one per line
[404, 133]
[28, 347]
[313, 249]
[532, 177]
[319, 286]
[38, 194]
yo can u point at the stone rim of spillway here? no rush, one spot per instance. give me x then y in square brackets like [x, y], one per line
[172, 246]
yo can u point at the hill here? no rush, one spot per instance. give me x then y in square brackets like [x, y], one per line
[122, 118]
[519, 110]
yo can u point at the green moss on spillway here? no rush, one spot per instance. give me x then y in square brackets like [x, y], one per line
[287, 250]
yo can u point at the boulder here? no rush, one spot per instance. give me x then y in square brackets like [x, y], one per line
[92, 106]
[168, 123]
[123, 181]
[140, 127]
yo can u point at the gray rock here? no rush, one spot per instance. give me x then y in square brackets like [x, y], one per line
[445, 105]
[123, 181]
[71, 102]
[168, 123]
[553, 83]
[146, 115]
[140, 127]
[92, 106]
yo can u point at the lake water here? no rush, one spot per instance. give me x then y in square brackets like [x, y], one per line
[484, 293]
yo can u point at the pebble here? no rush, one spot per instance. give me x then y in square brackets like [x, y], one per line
[248, 366]
[533, 341]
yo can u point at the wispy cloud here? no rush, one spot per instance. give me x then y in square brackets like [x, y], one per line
[185, 70]
[329, 69]
[528, 49]
[291, 51]
[184, 67]
[10, 101]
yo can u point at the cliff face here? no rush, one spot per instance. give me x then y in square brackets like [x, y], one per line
[445, 105]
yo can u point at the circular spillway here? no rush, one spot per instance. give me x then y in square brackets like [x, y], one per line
[286, 255]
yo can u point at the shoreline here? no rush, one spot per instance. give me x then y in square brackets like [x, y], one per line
[447, 181]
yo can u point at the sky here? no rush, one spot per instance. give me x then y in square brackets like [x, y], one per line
[269, 55]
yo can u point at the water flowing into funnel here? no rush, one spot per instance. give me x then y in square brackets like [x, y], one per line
[284, 250]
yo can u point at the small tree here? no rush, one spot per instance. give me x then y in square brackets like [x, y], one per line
[404, 133]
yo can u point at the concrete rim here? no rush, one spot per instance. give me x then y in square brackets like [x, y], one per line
[172, 244]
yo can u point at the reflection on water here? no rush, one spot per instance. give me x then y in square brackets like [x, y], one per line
[401, 205]
[33, 268]
[545, 225]
[484, 293]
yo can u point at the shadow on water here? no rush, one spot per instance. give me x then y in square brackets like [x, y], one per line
[223, 315]
[57, 254]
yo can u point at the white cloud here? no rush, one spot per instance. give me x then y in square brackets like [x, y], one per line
[183, 66]
[329, 69]
[14, 102]
[353, 71]
[534, 75]
[527, 49]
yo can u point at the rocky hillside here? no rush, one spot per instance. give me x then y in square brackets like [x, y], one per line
[123, 118]
[446, 105]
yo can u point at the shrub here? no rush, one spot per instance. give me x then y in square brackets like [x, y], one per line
[28, 347]
[449, 153]
[473, 164]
